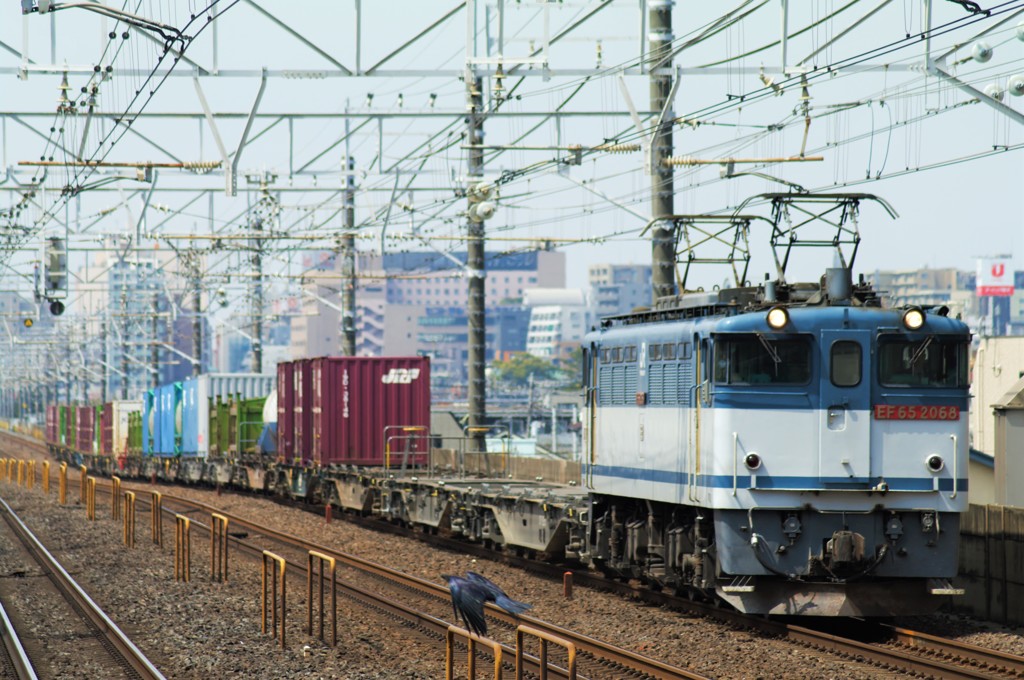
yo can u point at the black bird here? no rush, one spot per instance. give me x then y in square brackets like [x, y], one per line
[469, 595]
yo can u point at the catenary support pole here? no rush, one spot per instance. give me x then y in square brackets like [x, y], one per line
[663, 247]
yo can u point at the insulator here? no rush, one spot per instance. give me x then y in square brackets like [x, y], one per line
[618, 148]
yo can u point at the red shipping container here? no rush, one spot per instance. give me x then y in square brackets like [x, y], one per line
[356, 398]
[285, 410]
[85, 429]
[51, 424]
[107, 430]
[302, 418]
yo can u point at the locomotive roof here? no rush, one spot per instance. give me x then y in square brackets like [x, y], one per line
[735, 309]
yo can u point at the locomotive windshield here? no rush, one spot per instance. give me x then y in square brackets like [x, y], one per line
[930, 362]
[758, 359]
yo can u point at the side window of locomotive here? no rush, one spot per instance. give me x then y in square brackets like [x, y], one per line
[757, 360]
[630, 353]
[845, 363]
[922, 363]
[654, 353]
[668, 351]
[685, 350]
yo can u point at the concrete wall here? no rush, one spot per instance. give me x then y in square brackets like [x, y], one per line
[1009, 458]
[992, 564]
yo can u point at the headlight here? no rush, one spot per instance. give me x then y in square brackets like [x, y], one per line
[913, 318]
[935, 463]
[778, 317]
[752, 461]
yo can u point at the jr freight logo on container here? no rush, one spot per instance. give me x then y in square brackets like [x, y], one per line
[400, 376]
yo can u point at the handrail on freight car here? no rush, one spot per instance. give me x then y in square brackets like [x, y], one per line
[405, 459]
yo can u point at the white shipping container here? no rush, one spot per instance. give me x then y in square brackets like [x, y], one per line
[196, 395]
[119, 424]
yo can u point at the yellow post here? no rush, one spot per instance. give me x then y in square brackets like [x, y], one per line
[11, 470]
[277, 564]
[322, 560]
[46, 476]
[156, 517]
[83, 473]
[218, 547]
[30, 470]
[129, 519]
[182, 548]
[471, 642]
[21, 473]
[90, 498]
[115, 497]
[62, 485]
[544, 638]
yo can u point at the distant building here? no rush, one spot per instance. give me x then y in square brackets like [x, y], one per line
[559, 317]
[619, 288]
[416, 303]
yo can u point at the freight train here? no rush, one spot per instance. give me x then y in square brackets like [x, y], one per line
[793, 449]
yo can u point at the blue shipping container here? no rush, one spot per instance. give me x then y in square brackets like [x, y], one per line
[167, 439]
[192, 411]
[148, 422]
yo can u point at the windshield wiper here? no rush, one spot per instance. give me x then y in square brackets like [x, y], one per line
[768, 347]
[919, 352]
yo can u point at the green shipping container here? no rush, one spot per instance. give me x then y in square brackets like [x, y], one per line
[135, 433]
[248, 417]
[220, 427]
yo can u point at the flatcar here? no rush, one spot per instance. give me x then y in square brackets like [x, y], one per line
[790, 449]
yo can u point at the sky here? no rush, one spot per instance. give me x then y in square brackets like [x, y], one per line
[898, 121]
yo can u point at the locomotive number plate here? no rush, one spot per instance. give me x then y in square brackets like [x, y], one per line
[891, 412]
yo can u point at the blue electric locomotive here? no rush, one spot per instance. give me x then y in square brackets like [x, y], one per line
[792, 449]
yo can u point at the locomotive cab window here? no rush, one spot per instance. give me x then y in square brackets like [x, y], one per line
[927, 362]
[845, 363]
[758, 359]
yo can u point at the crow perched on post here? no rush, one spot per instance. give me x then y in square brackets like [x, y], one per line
[469, 595]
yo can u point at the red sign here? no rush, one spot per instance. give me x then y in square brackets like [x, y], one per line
[892, 412]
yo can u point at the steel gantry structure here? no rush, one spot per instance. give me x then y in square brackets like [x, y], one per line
[347, 123]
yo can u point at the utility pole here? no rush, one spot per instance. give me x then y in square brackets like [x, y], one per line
[663, 246]
[106, 359]
[476, 266]
[124, 332]
[197, 318]
[154, 348]
[348, 263]
[257, 300]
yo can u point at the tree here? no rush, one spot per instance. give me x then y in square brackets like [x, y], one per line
[520, 366]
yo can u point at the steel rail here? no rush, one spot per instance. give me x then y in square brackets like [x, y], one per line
[130, 655]
[960, 660]
[992, 660]
[595, 648]
[20, 662]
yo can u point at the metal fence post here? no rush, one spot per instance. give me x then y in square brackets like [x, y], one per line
[62, 484]
[277, 565]
[471, 642]
[157, 515]
[129, 519]
[115, 497]
[322, 559]
[218, 547]
[30, 471]
[83, 472]
[544, 638]
[182, 548]
[90, 498]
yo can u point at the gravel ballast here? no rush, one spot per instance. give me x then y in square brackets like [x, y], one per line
[211, 630]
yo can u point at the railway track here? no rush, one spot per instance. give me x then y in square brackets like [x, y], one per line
[596, 659]
[60, 611]
[899, 650]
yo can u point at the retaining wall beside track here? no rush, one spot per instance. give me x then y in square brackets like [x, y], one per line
[992, 564]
